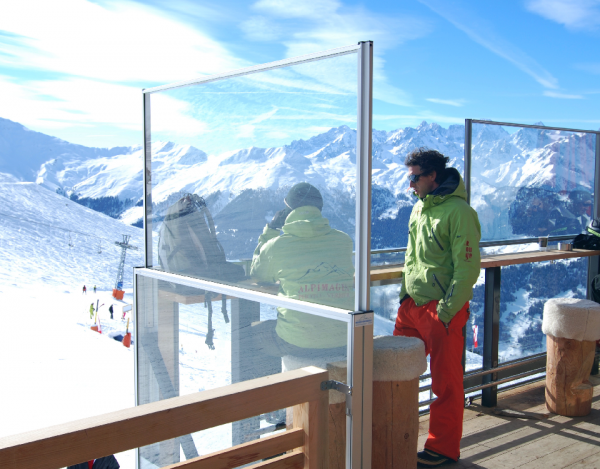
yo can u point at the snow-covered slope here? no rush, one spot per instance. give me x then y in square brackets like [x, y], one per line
[37, 227]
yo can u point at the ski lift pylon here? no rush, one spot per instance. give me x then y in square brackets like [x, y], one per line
[100, 247]
[70, 240]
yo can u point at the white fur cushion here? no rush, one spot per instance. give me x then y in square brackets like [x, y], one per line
[571, 318]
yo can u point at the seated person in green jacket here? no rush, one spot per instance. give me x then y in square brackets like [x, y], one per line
[312, 262]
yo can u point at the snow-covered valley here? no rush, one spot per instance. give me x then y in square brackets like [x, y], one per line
[52, 243]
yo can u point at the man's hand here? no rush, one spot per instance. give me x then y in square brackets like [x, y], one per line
[279, 219]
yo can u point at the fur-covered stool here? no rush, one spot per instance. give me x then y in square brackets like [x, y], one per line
[572, 327]
[397, 364]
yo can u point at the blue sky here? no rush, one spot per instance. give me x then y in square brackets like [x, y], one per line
[75, 68]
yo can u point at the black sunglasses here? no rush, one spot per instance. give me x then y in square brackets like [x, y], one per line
[414, 178]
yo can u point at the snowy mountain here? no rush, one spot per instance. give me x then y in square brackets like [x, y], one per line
[245, 186]
[48, 239]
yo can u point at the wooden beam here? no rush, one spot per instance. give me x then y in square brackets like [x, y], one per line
[91, 438]
[287, 461]
[312, 418]
[246, 452]
[390, 272]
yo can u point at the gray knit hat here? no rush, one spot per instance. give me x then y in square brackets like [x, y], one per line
[302, 194]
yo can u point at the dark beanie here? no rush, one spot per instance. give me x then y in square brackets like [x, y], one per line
[302, 194]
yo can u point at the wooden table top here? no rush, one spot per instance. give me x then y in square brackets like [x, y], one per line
[389, 272]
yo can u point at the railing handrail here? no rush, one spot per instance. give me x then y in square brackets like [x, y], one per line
[95, 437]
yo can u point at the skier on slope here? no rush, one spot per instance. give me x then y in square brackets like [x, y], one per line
[110, 310]
[94, 289]
[91, 310]
[84, 290]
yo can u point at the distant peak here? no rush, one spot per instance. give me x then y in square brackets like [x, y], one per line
[539, 123]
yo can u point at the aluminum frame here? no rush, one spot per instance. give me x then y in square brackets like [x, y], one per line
[467, 159]
[594, 262]
[360, 335]
[258, 68]
[246, 294]
[360, 332]
[147, 180]
[533, 126]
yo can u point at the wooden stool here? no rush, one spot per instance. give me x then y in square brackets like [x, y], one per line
[572, 327]
[397, 364]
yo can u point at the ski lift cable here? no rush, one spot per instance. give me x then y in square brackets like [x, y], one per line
[55, 227]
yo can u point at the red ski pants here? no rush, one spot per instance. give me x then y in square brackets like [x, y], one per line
[445, 347]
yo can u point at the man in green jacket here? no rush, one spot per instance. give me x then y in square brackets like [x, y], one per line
[311, 261]
[442, 265]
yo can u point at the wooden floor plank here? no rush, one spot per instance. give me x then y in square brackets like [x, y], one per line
[591, 462]
[565, 456]
[491, 441]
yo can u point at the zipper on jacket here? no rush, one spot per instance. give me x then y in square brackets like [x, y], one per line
[451, 292]
[436, 240]
[439, 284]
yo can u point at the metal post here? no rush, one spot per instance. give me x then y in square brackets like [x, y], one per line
[360, 333]
[147, 178]
[491, 333]
[244, 361]
[136, 356]
[594, 262]
[467, 162]
[359, 415]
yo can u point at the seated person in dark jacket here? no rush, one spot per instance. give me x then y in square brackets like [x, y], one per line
[107, 462]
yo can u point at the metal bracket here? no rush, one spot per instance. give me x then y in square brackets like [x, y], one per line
[340, 387]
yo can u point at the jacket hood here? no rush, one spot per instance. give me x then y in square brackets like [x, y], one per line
[306, 222]
[452, 186]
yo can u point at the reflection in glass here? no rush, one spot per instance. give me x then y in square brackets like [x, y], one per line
[225, 155]
[530, 182]
[310, 261]
[523, 291]
[194, 340]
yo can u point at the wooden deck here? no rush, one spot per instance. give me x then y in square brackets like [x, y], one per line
[493, 441]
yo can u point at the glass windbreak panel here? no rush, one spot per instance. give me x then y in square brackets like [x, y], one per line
[523, 291]
[253, 181]
[192, 340]
[475, 326]
[529, 182]
[391, 198]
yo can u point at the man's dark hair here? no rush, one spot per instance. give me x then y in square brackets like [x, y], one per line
[428, 160]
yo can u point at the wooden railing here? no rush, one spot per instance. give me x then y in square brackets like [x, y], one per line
[305, 445]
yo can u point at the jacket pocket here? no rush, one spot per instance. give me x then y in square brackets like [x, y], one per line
[436, 239]
[435, 279]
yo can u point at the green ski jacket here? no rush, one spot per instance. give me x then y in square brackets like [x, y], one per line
[442, 257]
[312, 262]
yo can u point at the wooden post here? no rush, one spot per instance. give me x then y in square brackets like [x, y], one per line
[395, 424]
[312, 417]
[568, 391]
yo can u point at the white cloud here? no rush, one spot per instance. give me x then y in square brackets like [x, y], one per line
[482, 32]
[114, 41]
[172, 116]
[328, 24]
[259, 28]
[574, 14]
[78, 102]
[415, 119]
[555, 94]
[589, 67]
[312, 9]
[448, 102]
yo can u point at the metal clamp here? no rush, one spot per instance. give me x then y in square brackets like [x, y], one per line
[340, 387]
[337, 385]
